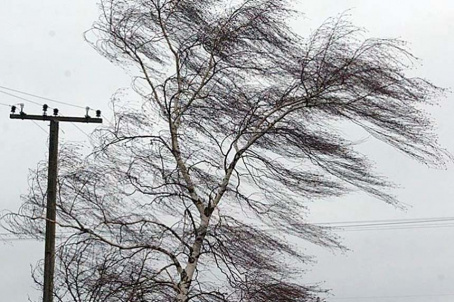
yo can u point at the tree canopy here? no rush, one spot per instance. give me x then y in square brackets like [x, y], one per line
[192, 196]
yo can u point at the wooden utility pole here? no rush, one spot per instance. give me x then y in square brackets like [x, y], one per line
[49, 253]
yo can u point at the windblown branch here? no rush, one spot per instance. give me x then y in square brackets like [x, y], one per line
[193, 197]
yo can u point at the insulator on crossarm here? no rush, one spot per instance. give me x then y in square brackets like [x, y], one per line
[45, 107]
[55, 111]
[13, 109]
[98, 113]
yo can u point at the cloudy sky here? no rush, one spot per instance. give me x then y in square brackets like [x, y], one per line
[42, 52]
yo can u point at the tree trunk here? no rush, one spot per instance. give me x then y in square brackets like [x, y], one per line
[188, 272]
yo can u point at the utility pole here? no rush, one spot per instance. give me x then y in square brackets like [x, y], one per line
[51, 209]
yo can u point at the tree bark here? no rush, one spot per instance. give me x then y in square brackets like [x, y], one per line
[188, 273]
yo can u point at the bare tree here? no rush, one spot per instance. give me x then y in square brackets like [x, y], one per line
[193, 196]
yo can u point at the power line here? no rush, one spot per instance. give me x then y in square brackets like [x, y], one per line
[392, 297]
[383, 226]
[33, 102]
[41, 97]
[394, 224]
[21, 98]
[85, 133]
[3, 104]
[397, 228]
[30, 101]
[380, 225]
[40, 127]
[338, 229]
[386, 221]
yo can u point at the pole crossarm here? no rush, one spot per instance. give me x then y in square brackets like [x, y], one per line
[85, 119]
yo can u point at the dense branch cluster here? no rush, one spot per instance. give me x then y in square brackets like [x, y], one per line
[237, 130]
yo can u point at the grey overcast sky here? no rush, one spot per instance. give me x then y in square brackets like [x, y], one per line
[42, 51]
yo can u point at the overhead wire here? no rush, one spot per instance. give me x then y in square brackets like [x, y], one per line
[396, 224]
[378, 225]
[21, 98]
[387, 220]
[391, 224]
[26, 101]
[42, 98]
[3, 104]
[90, 139]
[390, 297]
[397, 228]
[38, 125]
[36, 103]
